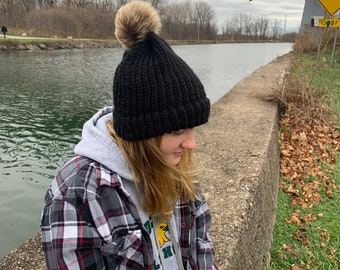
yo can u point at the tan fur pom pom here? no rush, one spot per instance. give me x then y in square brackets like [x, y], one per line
[133, 21]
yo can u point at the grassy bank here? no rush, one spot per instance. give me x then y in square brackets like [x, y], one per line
[306, 234]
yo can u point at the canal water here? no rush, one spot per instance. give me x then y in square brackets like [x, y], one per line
[46, 96]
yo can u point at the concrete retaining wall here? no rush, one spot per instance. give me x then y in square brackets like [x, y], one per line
[240, 153]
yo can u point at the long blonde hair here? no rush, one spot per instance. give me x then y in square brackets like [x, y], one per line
[160, 184]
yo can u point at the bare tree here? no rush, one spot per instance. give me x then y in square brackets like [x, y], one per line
[263, 24]
[248, 26]
[176, 20]
[121, 3]
[77, 3]
[179, 17]
[107, 5]
[275, 26]
[7, 7]
[243, 26]
[67, 3]
[203, 18]
[256, 29]
[29, 5]
[156, 3]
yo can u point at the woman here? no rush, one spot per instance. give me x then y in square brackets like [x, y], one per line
[128, 199]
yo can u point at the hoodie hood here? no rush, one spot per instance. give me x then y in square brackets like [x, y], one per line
[97, 144]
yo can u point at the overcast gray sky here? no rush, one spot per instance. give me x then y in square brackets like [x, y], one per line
[289, 11]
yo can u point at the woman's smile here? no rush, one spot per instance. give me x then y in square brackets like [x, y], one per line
[173, 145]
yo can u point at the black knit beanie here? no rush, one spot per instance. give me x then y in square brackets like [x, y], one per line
[154, 90]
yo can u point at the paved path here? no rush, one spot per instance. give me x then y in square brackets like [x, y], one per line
[22, 37]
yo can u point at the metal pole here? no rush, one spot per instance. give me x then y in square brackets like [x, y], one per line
[319, 33]
[320, 38]
[334, 45]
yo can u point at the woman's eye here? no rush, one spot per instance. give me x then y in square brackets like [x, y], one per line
[178, 132]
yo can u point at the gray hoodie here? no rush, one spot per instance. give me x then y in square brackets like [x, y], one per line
[97, 144]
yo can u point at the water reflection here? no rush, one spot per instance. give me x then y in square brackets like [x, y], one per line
[45, 99]
[46, 96]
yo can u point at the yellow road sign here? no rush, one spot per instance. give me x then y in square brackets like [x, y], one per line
[330, 22]
[331, 6]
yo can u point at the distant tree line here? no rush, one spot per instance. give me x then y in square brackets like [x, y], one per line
[183, 20]
[244, 26]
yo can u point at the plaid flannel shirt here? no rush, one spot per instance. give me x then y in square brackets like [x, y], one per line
[89, 222]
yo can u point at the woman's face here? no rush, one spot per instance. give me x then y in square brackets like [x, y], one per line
[173, 145]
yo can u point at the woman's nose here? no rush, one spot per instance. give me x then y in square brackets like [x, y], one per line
[189, 141]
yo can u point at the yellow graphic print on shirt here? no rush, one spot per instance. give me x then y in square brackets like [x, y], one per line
[162, 231]
[162, 239]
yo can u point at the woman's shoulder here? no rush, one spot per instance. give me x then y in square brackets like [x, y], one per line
[81, 179]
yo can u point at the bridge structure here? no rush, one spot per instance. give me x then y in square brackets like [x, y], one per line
[312, 8]
[320, 11]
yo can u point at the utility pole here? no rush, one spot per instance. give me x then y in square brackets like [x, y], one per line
[285, 25]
